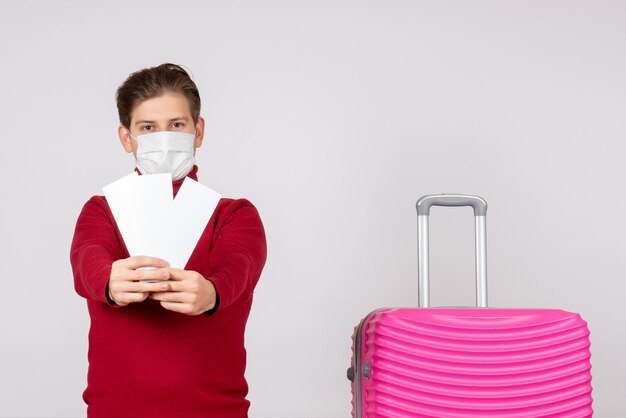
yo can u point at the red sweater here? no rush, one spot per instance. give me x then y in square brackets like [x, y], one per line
[146, 361]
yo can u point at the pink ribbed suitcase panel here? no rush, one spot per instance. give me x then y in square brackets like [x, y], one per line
[473, 363]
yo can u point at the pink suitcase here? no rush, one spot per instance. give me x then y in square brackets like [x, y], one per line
[469, 362]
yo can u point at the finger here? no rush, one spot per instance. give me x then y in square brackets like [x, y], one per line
[188, 286]
[179, 274]
[175, 297]
[152, 274]
[148, 287]
[138, 286]
[173, 306]
[139, 261]
[184, 308]
[179, 286]
[127, 298]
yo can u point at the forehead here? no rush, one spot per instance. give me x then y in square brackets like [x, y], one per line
[164, 107]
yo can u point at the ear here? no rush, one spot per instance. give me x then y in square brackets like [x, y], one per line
[124, 135]
[199, 132]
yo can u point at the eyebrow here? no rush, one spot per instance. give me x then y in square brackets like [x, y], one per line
[180, 118]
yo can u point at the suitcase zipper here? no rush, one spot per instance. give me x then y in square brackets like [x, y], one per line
[359, 369]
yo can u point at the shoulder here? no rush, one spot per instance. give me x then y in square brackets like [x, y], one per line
[96, 201]
[229, 209]
[96, 205]
[227, 203]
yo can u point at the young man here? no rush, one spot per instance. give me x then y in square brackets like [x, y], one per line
[171, 346]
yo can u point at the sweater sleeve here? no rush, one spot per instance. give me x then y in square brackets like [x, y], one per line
[94, 249]
[238, 254]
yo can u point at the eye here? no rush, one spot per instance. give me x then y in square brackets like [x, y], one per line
[147, 128]
[178, 125]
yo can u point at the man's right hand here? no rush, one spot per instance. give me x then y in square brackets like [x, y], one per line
[126, 285]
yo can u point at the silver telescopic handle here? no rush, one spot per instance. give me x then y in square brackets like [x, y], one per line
[423, 212]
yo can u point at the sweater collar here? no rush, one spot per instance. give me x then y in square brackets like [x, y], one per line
[193, 174]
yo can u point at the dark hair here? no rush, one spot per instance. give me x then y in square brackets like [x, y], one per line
[153, 82]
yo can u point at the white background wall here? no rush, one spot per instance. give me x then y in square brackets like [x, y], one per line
[333, 117]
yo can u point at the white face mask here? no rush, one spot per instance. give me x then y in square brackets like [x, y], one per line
[166, 152]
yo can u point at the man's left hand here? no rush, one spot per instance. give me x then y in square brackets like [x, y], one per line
[189, 293]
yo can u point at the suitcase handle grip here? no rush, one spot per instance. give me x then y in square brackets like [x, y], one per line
[426, 202]
[423, 206]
